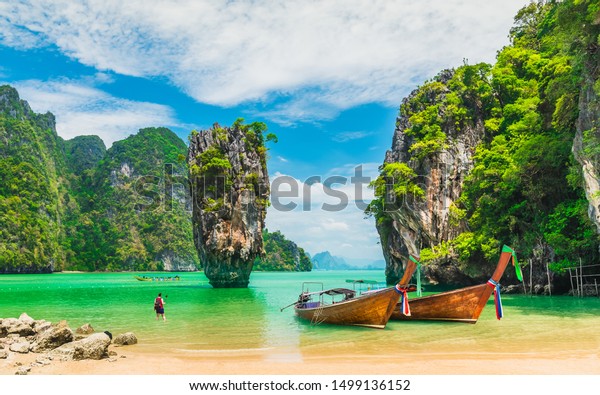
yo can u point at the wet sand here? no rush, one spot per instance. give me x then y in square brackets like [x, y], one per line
[138, 360]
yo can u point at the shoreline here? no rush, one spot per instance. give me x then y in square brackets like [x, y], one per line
[140, 360]
[244, 333]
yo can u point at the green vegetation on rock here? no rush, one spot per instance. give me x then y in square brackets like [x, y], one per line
[282, 254]
[32, 192]
[521, 190]
[525, 188]
[73, 205]
[137, 213]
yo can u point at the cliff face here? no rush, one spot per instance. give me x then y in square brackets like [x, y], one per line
[587, 138]
[325, 261]
[483, 156]
[230, 189]
[411, 223]
[73, 205]
[142, 199]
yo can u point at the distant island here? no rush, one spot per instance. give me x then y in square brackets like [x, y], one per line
[325, 261]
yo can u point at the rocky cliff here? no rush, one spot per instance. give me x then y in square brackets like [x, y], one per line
[422, 217]
[230, 189]
[325, 261]
[487, 155]
[586, 145]
[141, 198]
[73, 205]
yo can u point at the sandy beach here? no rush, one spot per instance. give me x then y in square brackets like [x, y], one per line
[137, 360]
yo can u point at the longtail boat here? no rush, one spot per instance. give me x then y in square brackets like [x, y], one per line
[145, 278]
[371, 309]
[462, 305]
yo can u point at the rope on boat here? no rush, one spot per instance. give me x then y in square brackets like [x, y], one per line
[497, 299]
[404, 307]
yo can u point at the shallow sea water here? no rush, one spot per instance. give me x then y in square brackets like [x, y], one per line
[202, 320]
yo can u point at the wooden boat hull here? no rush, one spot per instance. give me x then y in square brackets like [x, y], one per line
[159, 279]
[371, 310]
[142, 278]
[462, 305]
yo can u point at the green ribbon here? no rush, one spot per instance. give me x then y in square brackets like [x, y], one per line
[418, 274]
[515, 262]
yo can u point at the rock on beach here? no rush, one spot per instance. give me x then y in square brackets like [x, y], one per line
[22, 347]
[53, 337]
[85, 329]
[125, 339]
[57, 342]
[93, 347]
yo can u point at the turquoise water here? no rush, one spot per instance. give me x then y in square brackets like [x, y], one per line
[201, 319]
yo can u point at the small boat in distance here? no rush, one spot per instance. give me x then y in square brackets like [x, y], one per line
[461, 305]
[146, 278]
[371, 308]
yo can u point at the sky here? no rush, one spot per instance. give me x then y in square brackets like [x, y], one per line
[327, 77]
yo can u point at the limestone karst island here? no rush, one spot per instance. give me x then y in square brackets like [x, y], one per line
[204, 188]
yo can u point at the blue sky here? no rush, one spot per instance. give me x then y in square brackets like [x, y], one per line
[326, 76]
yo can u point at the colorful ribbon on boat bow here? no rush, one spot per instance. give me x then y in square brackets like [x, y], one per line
[404, 307]
[419, 293]
[497, 299]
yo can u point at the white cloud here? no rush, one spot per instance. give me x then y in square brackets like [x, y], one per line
[343, 137]
[332, 225]
[16, 36]
[84, 109]
[320, 56]
[339, 228]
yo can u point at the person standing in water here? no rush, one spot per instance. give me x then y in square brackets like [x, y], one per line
[159, 307]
